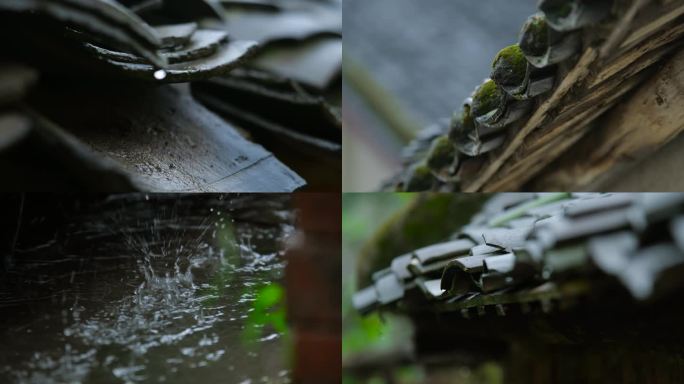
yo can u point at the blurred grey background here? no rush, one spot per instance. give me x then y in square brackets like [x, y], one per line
[408, 63]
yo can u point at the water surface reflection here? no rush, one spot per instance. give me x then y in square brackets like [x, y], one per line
[136, 288]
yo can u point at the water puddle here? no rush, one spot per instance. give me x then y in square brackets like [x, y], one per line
[139, 288]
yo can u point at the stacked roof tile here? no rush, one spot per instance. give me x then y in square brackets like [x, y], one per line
[464, 153]
[86, 103]
[539, 249]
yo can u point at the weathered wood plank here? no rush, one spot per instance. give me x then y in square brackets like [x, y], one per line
[545, 145]
[673, 10]
[621, 30]
[652, 117]
[529, 150]
[626, 60]
[577, 74]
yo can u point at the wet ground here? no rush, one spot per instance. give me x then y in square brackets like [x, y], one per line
[139, 288]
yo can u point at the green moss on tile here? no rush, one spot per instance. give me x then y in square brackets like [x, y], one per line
[509, 66]
[419, 178]
[488, 97]
[534, 39]
[442, 153]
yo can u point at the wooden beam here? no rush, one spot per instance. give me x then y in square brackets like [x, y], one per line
[577, 74]
[652, 117]
[557, 116]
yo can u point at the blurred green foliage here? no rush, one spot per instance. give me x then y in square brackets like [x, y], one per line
[268, 311]
[363, 214]
[427, 218]
[227, 244]
[376, 228]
